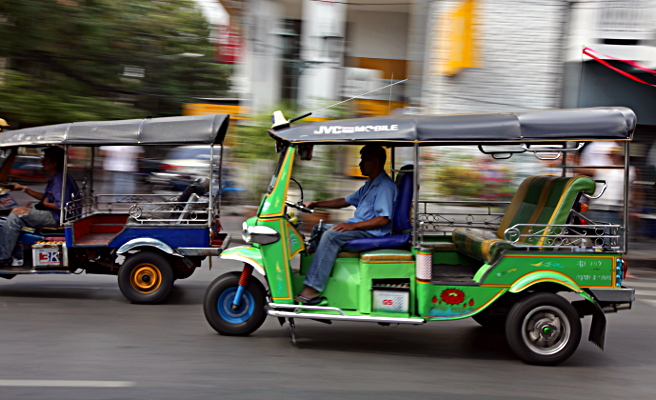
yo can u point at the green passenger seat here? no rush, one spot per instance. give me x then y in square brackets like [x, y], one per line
[540, 200]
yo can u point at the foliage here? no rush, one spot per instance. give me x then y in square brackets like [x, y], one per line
[459, 181]
[253, 141]
[461, 175]
[74, 60]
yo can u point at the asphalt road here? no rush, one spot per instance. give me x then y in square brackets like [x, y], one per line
[77, 337]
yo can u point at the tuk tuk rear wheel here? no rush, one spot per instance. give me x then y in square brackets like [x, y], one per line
[543, 329]
[145, 278]
[219, 300]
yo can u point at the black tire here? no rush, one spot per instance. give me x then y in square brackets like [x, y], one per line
[184, 273]
[218, 300]
[543, 329]
[491, 320]
[145, 278]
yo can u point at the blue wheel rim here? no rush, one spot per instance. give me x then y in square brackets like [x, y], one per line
[242, 314]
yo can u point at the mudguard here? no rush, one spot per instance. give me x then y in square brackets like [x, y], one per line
[247, 254]
[597, 327]
[536, 277]
[147, 242]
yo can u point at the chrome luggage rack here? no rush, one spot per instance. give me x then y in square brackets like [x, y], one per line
[571, 237]
[593, 236]
[142, 208]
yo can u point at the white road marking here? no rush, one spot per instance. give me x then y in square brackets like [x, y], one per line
[63, 383]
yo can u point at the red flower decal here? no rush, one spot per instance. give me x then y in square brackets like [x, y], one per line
[453, 296]
[434, 299]
[471, 303]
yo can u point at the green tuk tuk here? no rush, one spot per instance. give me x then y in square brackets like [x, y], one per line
[505, 269]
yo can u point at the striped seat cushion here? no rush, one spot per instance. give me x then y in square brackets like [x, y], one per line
[540, 200]
[479, 243]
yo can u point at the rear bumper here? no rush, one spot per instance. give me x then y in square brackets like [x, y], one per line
[619, 295]
[206, 251]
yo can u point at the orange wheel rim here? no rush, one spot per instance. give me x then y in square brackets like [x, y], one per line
[146, 278]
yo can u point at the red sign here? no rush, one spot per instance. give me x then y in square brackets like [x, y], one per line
[228, 49]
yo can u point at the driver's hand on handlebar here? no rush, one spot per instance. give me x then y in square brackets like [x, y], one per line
[311, 205]
[17, 187]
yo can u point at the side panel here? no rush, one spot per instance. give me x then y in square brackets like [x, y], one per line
[174, 236]
[445, 302]
[584, 270]
[277, 256]
[344, 285]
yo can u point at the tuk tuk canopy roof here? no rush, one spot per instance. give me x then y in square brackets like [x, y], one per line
[585, 124]
[198, 129]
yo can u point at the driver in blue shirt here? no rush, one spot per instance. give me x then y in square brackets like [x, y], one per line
[374, 204]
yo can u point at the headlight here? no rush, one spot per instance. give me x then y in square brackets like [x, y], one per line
[259, 234]
[245, 234]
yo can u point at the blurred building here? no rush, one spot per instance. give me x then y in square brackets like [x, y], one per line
[458, 55]
[315, 52]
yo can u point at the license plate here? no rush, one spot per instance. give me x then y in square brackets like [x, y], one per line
[46, 257]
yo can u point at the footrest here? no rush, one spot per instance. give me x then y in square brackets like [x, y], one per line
[453, 273]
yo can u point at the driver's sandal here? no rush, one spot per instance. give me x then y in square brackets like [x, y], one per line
[315, 301]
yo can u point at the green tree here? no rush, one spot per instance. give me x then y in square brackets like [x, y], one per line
[75, 60]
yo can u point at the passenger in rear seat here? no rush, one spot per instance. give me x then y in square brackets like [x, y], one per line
[45, 212]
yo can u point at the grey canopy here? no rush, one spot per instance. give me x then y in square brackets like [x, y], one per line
[586, 124]
[199, 129]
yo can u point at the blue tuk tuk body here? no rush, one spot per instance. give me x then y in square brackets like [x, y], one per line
[147, 240]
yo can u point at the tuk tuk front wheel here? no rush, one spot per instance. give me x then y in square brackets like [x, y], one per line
[218, 305]
[145, 278]
[543, 329]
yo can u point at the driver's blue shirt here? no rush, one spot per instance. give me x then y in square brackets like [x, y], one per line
[374, 199]
[53, 191]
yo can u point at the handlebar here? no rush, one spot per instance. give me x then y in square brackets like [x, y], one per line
[6, 185]
[299, 206]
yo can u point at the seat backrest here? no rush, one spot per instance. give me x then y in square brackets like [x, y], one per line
[544, 200]
[401, 219]
[194, 188]
[401, 226]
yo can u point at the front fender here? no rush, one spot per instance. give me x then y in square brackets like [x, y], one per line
[147, 242]
[536, 277]
[247, 254]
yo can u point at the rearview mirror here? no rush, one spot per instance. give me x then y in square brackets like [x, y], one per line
[305, 152]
